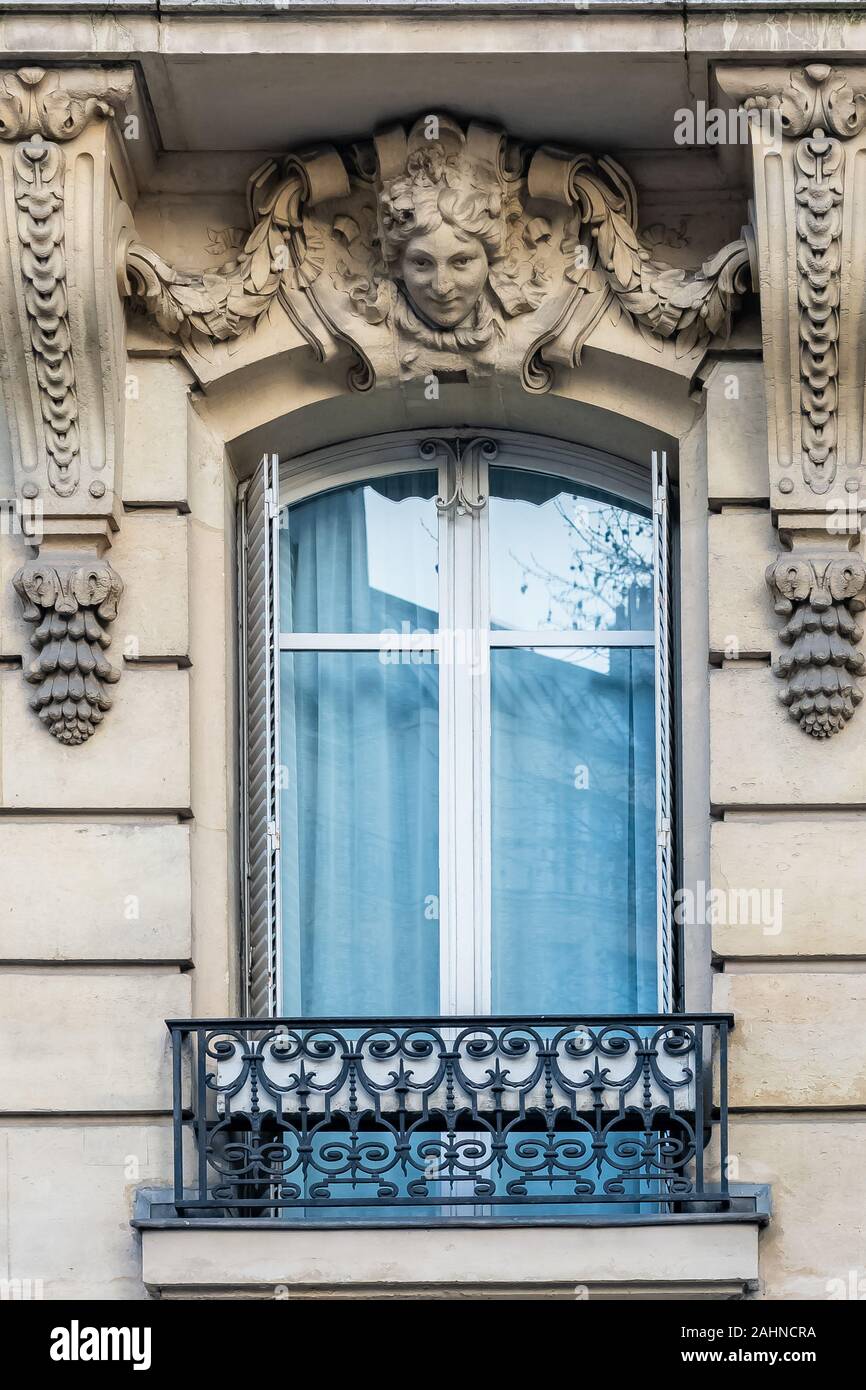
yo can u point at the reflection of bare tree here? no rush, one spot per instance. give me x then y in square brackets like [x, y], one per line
[609, 580]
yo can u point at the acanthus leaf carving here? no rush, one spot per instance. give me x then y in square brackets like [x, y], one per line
[71, 601]
[815, 95]
[58, 104]
[690, 306]
[467, 253]
[819, 598]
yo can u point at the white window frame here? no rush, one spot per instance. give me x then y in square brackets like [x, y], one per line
[464, 693]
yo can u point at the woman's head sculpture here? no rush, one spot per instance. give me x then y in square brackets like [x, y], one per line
[441, 233]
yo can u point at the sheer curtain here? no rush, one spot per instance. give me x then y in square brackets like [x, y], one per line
[574, 915]
[359, 755]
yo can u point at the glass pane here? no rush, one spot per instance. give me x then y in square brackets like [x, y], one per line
[359, 782]
[573, 785]
[562, 560]
[363, 558]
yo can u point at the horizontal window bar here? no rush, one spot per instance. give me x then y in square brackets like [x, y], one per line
[359, 641]
[571, 639]
[436, 641]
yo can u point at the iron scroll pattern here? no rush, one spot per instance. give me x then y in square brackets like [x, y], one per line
[451, 1113]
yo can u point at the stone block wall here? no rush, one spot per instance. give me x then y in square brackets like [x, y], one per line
[788, 838]
[116, 861]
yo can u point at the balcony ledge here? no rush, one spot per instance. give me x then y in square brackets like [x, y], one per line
[713, 1256]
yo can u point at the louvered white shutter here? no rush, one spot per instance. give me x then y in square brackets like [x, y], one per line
[258, 594]
[664, 730]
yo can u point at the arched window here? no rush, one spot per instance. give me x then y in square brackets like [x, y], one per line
[456, 749]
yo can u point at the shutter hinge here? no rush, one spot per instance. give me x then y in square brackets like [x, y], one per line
[663, 839]
[660, 501]
[273, 837]
[273, 504]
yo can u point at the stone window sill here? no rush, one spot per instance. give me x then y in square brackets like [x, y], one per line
[680, 1257]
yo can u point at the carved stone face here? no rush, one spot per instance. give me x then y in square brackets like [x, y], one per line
[444, 272]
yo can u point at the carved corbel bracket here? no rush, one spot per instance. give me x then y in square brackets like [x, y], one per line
[71, 602]
[444, 248]
[63, 368]
[61, 318]
[808, 141]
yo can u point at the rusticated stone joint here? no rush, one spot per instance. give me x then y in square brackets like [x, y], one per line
[71, 601]
[819, 599]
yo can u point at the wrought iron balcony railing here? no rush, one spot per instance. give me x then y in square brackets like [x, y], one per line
[464, 1116]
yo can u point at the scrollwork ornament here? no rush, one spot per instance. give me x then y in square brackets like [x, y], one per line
[58, 105]
[444, 248]
[812, 96]
[71, 602]
[564, 1110]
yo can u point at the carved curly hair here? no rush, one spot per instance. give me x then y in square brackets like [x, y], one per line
[412, 208]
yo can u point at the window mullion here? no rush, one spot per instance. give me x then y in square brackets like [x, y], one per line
[449, 792]
[464, 758]
[479, 647]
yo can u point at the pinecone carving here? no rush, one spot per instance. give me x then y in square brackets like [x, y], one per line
[819, 599]
[71, 601]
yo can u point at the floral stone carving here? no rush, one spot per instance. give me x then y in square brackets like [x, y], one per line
[71, 601]
[444, 249]
[819, 599]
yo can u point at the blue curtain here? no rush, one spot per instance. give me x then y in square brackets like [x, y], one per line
[360, 776]
[573, 789]
[573, 857]
[328, 547]
[573, 752]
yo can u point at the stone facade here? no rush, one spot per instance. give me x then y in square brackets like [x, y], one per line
[189, 282]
